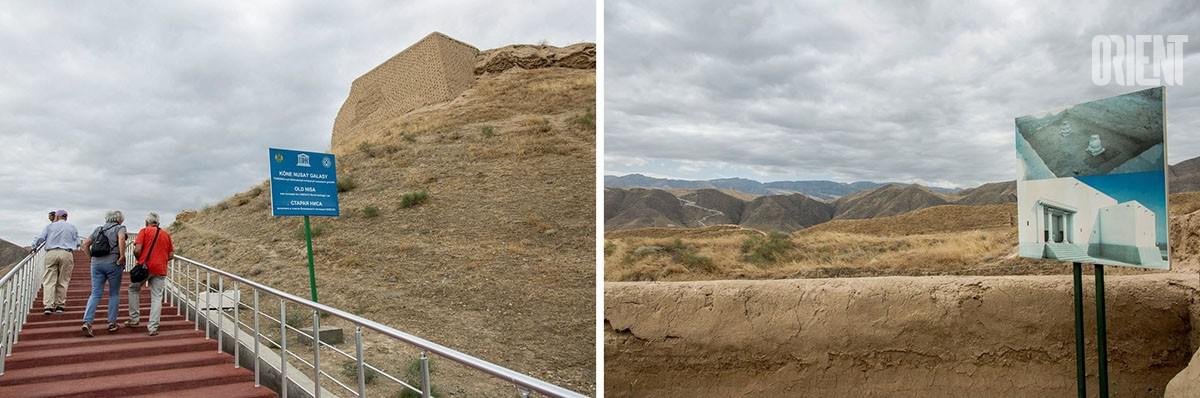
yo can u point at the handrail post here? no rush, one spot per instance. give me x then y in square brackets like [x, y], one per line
[256, 334]
[425, 388]
[6, 321]
[176, 294]
[207, 303]
[18, 297]
[283, 387]
[15, 295]
[5, 325]
[358, 351]
[175, 290]
[220, 312]
[316, 354]
[237, 304]
[196, 298]
[164, 297]
[30, 290]
[168, 299]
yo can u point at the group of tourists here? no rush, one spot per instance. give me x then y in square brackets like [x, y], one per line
[106, 247]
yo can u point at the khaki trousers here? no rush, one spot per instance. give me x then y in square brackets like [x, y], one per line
[59, 264]
[156, 283]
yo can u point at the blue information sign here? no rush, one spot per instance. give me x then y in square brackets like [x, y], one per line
[303, 183]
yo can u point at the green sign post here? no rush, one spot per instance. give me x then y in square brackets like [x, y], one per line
[304, 184]
[312, 270]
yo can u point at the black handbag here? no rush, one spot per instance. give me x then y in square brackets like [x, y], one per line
[140, 272]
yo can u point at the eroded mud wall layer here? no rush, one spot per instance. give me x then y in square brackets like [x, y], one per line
[889, 336]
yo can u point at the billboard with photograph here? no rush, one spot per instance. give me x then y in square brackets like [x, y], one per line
[1092, 182]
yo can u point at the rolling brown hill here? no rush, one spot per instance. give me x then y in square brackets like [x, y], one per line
[498, 262]
[886, 201]
[990, 193]
[1185, 176]
[645, 208]
[713, 207]
[641, 208]
[785, 212]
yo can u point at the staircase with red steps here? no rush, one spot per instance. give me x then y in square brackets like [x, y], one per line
[54, 359]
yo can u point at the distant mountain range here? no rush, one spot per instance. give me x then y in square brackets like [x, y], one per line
[817, 189]
[638, 201]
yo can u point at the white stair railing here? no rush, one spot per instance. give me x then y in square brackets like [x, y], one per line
[18, 289]
[190, 283]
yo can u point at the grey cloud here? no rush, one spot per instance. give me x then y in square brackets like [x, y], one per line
[925, 91]
[166, 106]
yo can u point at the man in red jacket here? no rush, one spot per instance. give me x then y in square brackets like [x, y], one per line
[153, 247]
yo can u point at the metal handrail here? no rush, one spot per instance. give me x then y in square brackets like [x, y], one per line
[18, 289]
[497, 371]
[381, 372]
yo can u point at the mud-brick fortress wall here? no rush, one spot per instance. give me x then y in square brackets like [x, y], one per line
[435, 69]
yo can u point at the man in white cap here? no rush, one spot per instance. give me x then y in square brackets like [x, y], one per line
[61, 239]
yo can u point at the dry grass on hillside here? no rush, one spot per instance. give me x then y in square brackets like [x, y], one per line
[814, 254]
[1183, 203]
[945, 218]
[941, 240]
[498, 262]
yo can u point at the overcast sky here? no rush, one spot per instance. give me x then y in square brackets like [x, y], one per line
[166, 106]
[922, 92]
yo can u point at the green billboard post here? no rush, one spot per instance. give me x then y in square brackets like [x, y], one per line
[304, 184]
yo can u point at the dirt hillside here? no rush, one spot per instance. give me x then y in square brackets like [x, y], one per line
[641, 208]
[990, 193]
[713, 207]
[497, 262]
[886, 201]
[1185, 176]
[785, 213]
[10, 253]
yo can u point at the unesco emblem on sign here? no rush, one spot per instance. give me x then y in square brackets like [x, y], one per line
[327, 162]
[302, 161]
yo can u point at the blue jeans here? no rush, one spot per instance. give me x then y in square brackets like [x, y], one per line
[104, 273]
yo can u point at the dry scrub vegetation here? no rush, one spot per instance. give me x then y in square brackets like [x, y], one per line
[940, 240]
[469, 223]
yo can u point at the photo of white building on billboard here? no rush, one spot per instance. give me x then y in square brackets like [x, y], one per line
[1069, 220]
